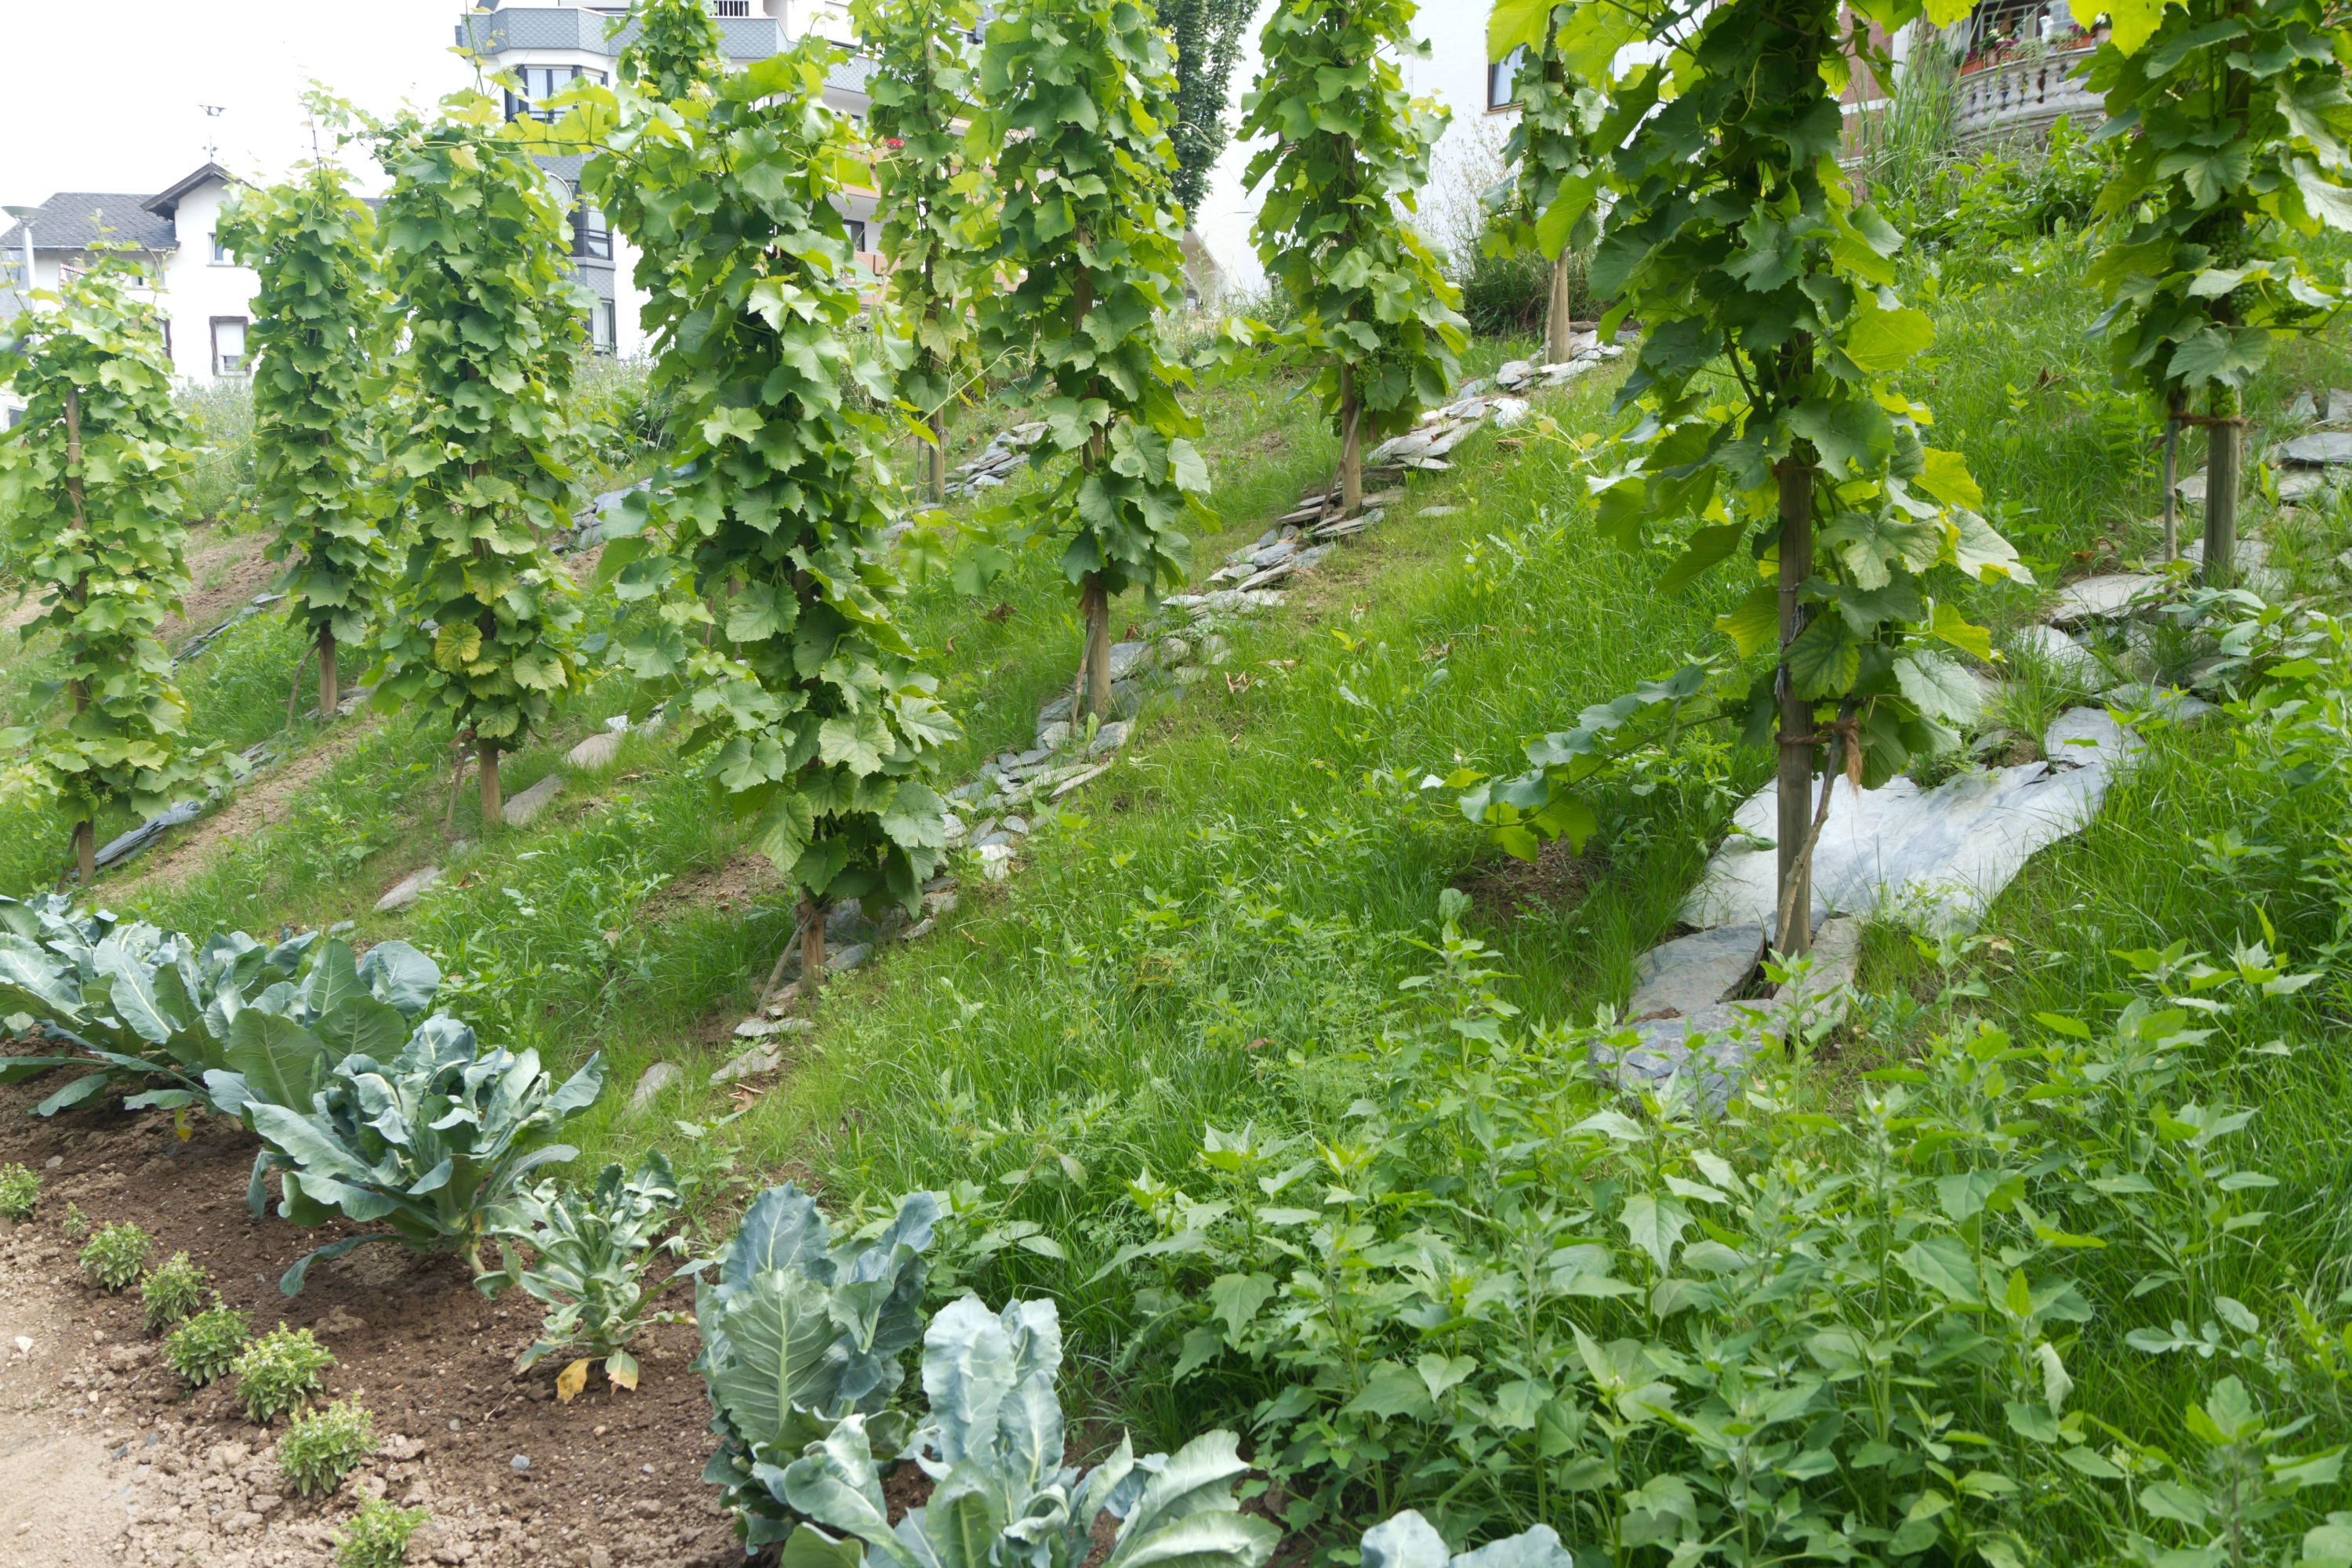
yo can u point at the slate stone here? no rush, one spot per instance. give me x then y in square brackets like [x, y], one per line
[2169, 702]
[757, 1062]
[1515, 372]
[2304, 409]
[1076, 780]
[2251, 560]
[650, 1083]
[596, 751]
[1703, 1055]
[2103, 598]
[1109, 738]
[1827, 985]
[1510, 413]
[2320, 447]
[1439, 511]
[408, 889]
[1695, 971]
[1280, 549]
[1935, 857]
[519, 811]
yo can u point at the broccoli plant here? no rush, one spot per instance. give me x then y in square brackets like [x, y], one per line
[995, 1432]
[431, 1143]
[800, 1332]
[591, 1250]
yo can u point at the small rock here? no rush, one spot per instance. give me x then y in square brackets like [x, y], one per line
[757, 1062]
[408, 889]
[2320, 447]
[939, 903]
[650, 1083]
[1439, 511]
[1053, 736]
[1126, 658]
[1695, 970]
[995, 861]
[519, 811]
[2304, 409]
[596, 751]
[1017, 824]
[847, 959]
[1109, 738]
[1171, 652]
[917, 931]
[599, 1558]
[1515, 372]
[2103, 598]
[1510, 413]
[519, 1462]
[2067, 659]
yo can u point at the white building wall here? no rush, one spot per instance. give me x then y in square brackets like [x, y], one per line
[197, 288]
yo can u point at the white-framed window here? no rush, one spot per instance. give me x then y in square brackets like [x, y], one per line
[221, 254]
[856, 227]
[167, 337]
[1501, 75]
[592, 233]
[229, 345]
[604, 337]
[540, 83]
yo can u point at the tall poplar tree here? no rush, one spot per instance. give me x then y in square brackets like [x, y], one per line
[1560, 167]
[679, 49]
[475, 249]
[320, 317]
[920, 83]
[800, 694]
[90, 481]
[1070, 92]
[1348, 147]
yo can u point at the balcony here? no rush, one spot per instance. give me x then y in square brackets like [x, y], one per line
[2016, 95]
[747, 32]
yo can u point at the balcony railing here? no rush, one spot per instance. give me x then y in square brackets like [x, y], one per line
[2022, 97]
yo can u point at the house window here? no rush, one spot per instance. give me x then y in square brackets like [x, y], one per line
[540, 83]
[602, 321]
[229, 345]
[591, 235]
[1502, 78]
[221, 257]
[857, 234]
[167, 338]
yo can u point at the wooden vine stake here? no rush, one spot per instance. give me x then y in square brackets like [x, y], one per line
[475, 249]
[1070, 94]
[2198, 278]
[1741, 247]
[1551, 150]
[90, 484]
[321, 316]
[1349, 149]
[805, 709]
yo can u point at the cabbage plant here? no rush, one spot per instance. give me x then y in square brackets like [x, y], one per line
[590, 1250]
[800, 1332]
[431, 1144]
[1408, 1541]
[1002, 1496]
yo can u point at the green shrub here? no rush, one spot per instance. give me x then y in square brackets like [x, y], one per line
[172, 1293]
[378, 1536]
[278, 1372]
[20, 1189]
[117, 1255]
[203, 1349]
[76, 1225]
[322, 1448]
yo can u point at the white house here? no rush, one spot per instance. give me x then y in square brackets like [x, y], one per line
[206, 298]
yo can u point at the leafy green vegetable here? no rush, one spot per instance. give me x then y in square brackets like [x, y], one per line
[800, 1332]
[431, 1144]
[324, 1446]
[589, 1251]
[278, 1372]
[206, 1346]
[992, 1447]
[116, 1256]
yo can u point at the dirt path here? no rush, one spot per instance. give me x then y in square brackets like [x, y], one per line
[259, 802]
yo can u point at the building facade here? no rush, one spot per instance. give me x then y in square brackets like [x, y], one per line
[205, 297]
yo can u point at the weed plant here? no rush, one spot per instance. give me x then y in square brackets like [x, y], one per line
[278, 1372]
[324, 1446]
[76, 1225]
[20, 1189]
[206, 1348]
[172, 1293]
[116, 1256]
[377, 1536]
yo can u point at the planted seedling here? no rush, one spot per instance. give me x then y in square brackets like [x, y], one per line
[278, 1372]
[172, 1293]
[20, 1189]
[322, 1448]
[592, 1249]
[76, 1225]
[206, 1346]
[117, 1256]
[378, 1536]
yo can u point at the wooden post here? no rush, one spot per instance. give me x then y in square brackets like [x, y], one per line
[85, 833]
[811, 918]
[1094, 605]
[1558, 320]
[2224, 442]
[1351, 445]
[85, 840]
[938, 457]
[328, 696]
[1794, 781]
[2171, 479]
[486, 762]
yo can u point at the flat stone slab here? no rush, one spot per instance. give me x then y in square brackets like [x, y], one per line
[1695, 971]
[650, 1083]
[596, 751]
[2169, 702]
[2105, 597]
[757, 1062]
[408, 889]
[1938, 856]
[2320, 447]
[1704, 1054]
[519, 811]
[2067, 659]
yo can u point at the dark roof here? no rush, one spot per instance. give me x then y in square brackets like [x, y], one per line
[166, 203]
[75, 220]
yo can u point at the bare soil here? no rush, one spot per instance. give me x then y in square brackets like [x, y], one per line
[1503, 890]
[223, 572]
[259, 802]
[110, 1460]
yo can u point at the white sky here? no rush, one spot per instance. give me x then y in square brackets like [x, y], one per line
[103, 95]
